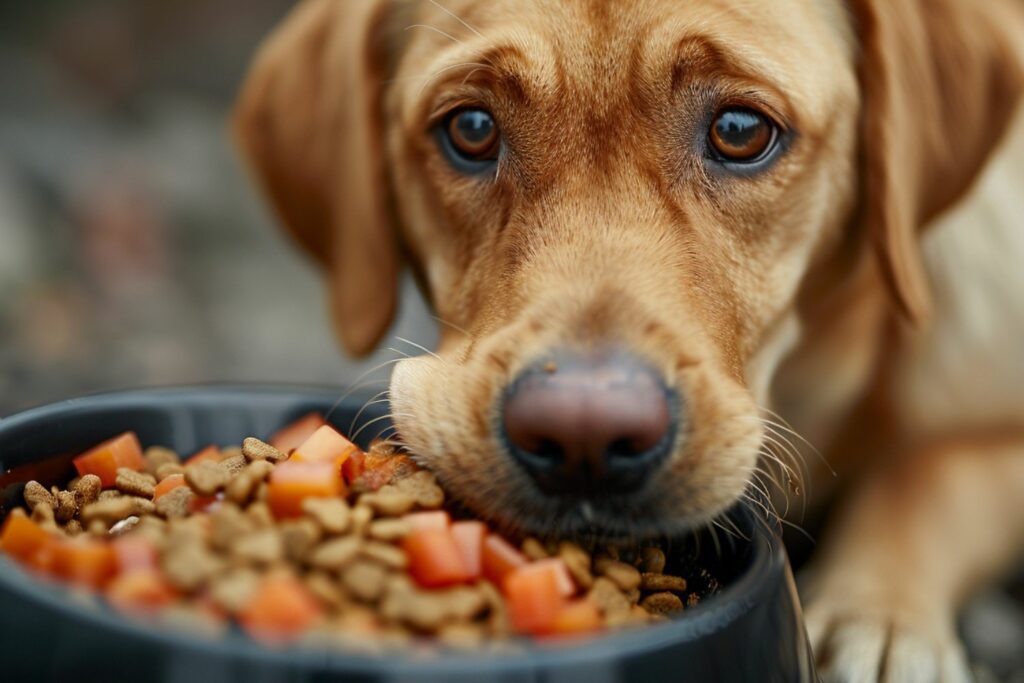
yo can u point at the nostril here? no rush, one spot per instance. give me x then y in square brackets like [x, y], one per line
[623, 448]
[549, 450]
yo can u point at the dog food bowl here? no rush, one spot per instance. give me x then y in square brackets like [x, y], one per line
[752, 630]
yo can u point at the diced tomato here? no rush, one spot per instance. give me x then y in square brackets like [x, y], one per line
[438, 520]
[326, 445]
[535, 598]
[281, 609]
[26, 541]
[84, 561]
[140, 591]
[211, 453]
[104, 460]
[499, 558]
[469, 538]
[577, 616]
[168, 484]
[354, 466]
[293, 482]
[134, 554]
[295, 433]
[205, 503]
[566, 586]
[434, 558]
[380, 470]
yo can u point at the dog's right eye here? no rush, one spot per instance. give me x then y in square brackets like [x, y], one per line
[471, 140]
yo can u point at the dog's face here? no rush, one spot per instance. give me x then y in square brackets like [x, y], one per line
[573, 183]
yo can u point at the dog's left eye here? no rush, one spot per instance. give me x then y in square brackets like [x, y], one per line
[471, 140]
[742, 136]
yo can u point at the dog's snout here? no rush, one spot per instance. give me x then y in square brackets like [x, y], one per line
[589, 424]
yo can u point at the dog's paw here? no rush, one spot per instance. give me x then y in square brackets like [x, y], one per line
[855, 644]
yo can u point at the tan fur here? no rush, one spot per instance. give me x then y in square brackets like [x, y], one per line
[788, 290]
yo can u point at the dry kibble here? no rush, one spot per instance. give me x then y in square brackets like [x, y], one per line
[652, 560]
[36, 494]
[299, 536]
[461, 636]
[110, 494]
[42, 514]
[361, 517]
[232, 590]
[662, 582]
[233, 462]
[662, 603]
[97, 527]
[335, 554]
[388, 529]
[608, 598]
[189, 566]
[326, 589]
[243, 486]
[134, 483]
[422, 487]
[388, 502]
[157, 456]
[113, 510]
[67, 506]
[332, 514]
[259, 513]
[254, 449]
[206, 477]
[260, 547]
[87, 489]
[534, 549]
[364, 580]
[577, 561]
[625, 576]
[168, 469]
[174, 503]
[228, 524]
[388, 555]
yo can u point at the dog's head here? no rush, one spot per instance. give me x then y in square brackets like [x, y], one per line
[614, 206]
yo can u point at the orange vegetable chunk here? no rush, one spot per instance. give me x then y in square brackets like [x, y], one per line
[168, 484]
[469, 538]
[535, 597]
[84, 561]
[325, 445]
[354, 466]
[294, 434]
[104, 460]
[577, 616]
[438, 520]
[281, 609]
[211, 453]
[499, 558]
[141, 591]
[566, 585]
[24, 540]
[293, 482]
[134, 554]
[434, 558]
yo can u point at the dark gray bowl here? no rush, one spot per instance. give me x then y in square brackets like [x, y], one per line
[751, 631]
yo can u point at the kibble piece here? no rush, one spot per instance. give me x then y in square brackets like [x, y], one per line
[156, 456]
[462, 602]
[388, 502]
[67, 506]
[189, 566]
[608, 598]
[388, 529]
[577, 561]
[422, 487]
[332, 514]
[97, 527]
[652, 560]
[299, 536]
[36, 494]
[168, 469]
[73, 527]
[662, 603]
[260, 547]
[461, 636]
[254, 449]
[335, 554]
[625, 576]
[326, 589]
[42, 514]
[259, 513]
[174, 503]
[134, 483]
[386, 554]
[110, 494]
[233, 462]
[227, 525]
[87, 489]
[232, 590]
[662, 582]
[206, 477]
[534, 549]
[243, 486]
[364, 580]
[361, 517]
[113, 510]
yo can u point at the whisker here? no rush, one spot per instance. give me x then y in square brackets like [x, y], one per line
[456, 17]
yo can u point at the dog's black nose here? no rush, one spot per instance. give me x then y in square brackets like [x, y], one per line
[585, 425]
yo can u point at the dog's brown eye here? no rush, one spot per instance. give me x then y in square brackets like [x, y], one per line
[474, 135]
[742, 135]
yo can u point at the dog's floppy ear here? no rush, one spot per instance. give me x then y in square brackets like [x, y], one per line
[940, 83]
[308, 121]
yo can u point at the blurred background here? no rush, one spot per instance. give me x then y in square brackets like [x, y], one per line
[133, 249]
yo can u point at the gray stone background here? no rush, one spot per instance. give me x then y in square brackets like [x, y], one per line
[134, 252]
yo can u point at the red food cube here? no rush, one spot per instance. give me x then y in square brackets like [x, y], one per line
[105, 459]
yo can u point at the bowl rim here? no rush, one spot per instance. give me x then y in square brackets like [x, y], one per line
[767, 566]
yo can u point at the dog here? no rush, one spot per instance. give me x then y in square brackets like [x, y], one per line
[654, 230]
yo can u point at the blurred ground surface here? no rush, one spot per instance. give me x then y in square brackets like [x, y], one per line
[134, 252]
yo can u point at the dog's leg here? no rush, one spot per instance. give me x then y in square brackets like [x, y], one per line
[908, 547]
